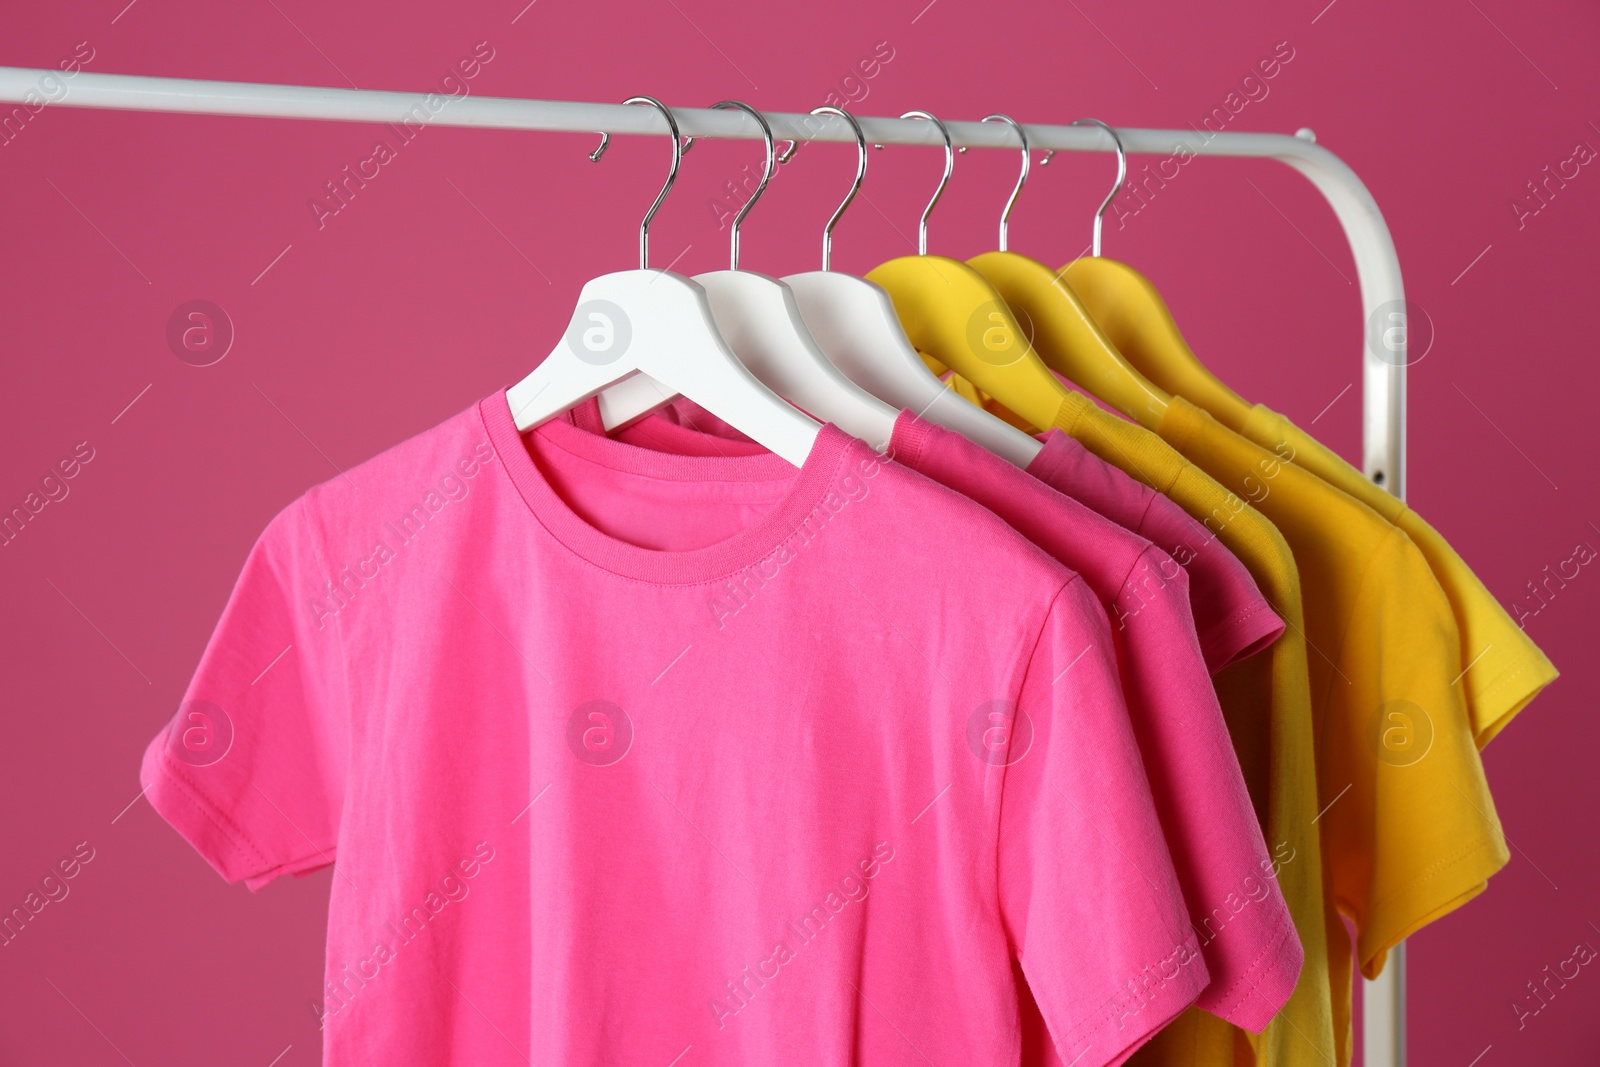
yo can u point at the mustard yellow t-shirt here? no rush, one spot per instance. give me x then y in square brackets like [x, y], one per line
[1408, 827]
[1504, 668]
[1267, 703]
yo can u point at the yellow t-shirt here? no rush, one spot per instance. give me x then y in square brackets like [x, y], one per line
[1408, 827]
[1266, 700]
[1505, 669]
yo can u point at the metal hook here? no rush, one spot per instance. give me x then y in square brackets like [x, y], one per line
[1022, 178]
[861, 174]
[944, 180]
[1122, 174]
[605, 138]
[766, 173]
[678, 149]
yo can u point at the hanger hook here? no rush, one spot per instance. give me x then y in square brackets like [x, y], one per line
[1122, 174]
[766, 173]
[944, 180]
[678, 149]
[1022, 178]
[861, 174]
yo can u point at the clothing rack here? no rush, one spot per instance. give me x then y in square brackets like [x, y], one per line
[1377, 265]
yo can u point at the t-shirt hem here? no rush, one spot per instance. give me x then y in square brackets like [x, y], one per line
[207, 828]
[1249, 630]
[1252, 999]
[1496, 704]
[1105, 1041]
[1444, 887]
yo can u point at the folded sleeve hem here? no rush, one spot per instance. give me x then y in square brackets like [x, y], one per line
[209, 829]
[1241, 636]
[1135, 1014]
[1496, 704]
[1440, 890]
[1252, 999]
[201, 823]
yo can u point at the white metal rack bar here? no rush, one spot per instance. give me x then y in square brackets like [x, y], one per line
[1383, 355]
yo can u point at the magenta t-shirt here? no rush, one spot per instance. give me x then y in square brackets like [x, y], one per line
[1200, 794]
[1232, 618]
[628, 757]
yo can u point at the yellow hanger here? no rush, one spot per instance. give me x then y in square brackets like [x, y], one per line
[956, 317]
[1064, 334]
[1134, 317]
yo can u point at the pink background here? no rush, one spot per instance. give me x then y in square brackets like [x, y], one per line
[455, 268]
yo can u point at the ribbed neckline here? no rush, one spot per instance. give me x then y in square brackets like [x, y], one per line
[910, 436]
[803, 494]
[1070, 411]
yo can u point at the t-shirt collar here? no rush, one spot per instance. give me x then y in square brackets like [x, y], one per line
[804, 492]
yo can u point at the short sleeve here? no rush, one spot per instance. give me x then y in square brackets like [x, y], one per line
[1232, 618]
[1417, 835]
[251, 767]
[1503, 669]
[1088, 894]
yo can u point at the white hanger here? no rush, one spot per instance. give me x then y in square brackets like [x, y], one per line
[854, 323]
[657, 323]
[761, 322]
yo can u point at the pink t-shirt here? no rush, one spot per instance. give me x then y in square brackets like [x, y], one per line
[629, 757]
[1199, 790]
[1232, 618]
